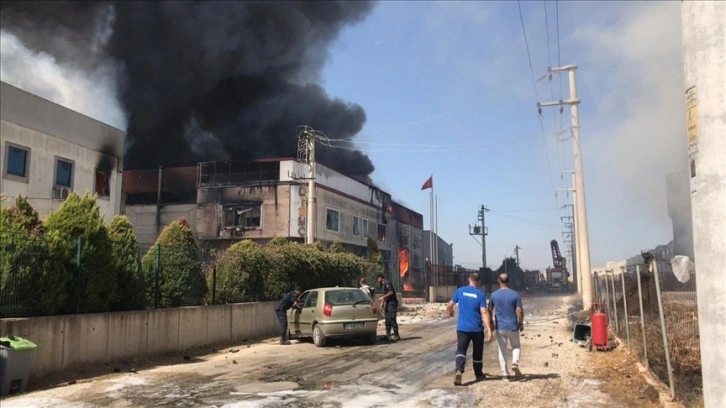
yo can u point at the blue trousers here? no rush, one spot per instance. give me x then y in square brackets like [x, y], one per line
[282, 317]
[390, 311]
[462, 346]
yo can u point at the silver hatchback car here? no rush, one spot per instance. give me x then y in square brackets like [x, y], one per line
[334, 312]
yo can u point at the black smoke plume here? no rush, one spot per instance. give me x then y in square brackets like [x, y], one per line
[206, 80]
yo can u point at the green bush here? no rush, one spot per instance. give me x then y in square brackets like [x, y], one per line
[180, 275]
[25, 287]
[79, 218]
[127, 265]
[240, 273]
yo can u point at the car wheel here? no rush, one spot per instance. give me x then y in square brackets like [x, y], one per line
[318, 336]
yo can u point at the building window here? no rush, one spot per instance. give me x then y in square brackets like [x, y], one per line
[364, 229]
[63, 173]
[17, 159]
[356, 226]
[102, 184]
[332, 220]
[245, 216]
[381, 232]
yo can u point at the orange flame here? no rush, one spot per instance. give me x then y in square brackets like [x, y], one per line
[403, 269]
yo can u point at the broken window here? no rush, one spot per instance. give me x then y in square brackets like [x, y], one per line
[102, 184]
[245, 216]
[381, 232]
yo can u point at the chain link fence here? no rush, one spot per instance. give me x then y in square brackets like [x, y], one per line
[656, 316]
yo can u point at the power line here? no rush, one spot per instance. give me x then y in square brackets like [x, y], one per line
[536, 94]
[526, 44]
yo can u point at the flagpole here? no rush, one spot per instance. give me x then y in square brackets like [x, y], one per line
[436, 226]
[431, 226]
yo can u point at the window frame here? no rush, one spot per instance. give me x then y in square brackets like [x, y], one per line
[55, 172]
[238, 218]
[107, 184]
[15, 177]
[356, 226]
[364, 230]
[330, 209]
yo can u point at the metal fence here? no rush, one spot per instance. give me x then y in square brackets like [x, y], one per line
[656, 316]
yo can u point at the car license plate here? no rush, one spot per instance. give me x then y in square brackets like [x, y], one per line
[352, 326]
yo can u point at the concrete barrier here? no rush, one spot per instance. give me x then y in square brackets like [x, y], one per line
[68, 341]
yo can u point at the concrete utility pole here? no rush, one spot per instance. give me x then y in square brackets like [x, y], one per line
[516, 253]
[704, 60]
[582, 239]
[307, 137]
[482, 231]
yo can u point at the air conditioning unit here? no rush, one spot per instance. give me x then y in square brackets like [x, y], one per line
[61, 193]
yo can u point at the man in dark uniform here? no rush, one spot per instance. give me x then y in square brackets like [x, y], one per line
[281, 308]
[389, 303]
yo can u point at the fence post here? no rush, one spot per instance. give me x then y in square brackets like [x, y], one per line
[607, 297]
[615, 303]
[625, 305]
[663, 329]
[214, 284]
[157, 290]
[79, 241]
[642, 316]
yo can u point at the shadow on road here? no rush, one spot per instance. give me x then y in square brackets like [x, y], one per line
[530, 377]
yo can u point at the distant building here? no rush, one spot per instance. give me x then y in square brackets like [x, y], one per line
[260, 200]
[49, 151]
[444, 250]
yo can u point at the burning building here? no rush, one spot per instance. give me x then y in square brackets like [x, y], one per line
[260, 200]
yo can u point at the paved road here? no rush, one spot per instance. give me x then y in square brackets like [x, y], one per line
[414, 372]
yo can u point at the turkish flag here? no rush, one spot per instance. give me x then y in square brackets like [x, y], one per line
[428, 184]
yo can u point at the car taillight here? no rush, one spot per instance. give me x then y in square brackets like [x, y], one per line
[328, 309]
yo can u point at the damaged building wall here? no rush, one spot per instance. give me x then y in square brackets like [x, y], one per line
[257, 212]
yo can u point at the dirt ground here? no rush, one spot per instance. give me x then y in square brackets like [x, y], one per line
[416, 372]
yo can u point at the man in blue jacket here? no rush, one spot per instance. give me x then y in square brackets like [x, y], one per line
[281, 307]
[473, 316]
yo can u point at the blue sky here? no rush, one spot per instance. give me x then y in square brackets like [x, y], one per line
[447, 89]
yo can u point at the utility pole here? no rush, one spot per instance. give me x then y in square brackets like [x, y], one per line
[481, 230]
[704, 53]
[307, 137]
[582, 238]
[516, 253]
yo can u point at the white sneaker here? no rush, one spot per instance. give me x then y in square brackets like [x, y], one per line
[505, 376]
[516, 370]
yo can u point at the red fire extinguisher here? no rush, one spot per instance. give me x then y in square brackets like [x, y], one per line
[599, 322]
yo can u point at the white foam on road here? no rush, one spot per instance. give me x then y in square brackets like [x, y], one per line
[42, 403]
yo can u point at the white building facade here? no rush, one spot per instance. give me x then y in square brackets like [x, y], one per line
[49, 151]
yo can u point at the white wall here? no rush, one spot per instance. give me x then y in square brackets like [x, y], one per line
[43, 152]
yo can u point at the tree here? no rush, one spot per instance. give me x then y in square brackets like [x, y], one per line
[26, 287]
[240, 272]
[126, 264]
[175, 259]
[78, 222]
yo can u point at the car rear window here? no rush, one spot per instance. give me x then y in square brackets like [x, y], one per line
[346, 297]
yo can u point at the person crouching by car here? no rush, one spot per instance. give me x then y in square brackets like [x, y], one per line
[389, 303]
[281, 307]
